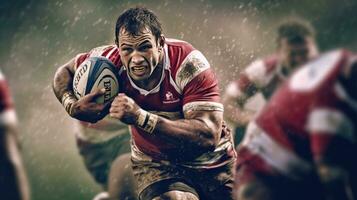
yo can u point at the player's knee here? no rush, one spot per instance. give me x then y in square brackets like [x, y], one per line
[121, 179]
[121, 171]
[176, 195]
[123, 162]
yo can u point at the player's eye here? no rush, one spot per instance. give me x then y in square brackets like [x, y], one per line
[145, 47]
[126, 49]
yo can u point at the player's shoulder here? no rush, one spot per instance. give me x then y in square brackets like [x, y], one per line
[109, 51]
[320, 71]
[271, 63]
[179, 45]
[177, 52]
[186, 62]
[261, 70]
[103, 50]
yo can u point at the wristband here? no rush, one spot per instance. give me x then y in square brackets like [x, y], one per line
[147, 121]
[67, 101]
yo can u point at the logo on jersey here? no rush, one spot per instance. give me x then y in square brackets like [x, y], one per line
[169, 98]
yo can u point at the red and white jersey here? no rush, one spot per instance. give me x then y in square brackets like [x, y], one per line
[310, 118]
[7, 111]
[181, 88]
[263, 75]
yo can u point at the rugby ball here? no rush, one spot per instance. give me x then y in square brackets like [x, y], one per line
[96, 73]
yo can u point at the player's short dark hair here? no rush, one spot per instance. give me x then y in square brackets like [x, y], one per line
[295, 30]
[133, 20]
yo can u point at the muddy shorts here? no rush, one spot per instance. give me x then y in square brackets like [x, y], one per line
[155, 178]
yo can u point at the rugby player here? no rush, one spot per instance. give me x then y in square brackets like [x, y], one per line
[181, 148]
[13, 179]
[295, 46]
[303, 142]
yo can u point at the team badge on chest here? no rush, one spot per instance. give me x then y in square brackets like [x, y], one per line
[169, 98]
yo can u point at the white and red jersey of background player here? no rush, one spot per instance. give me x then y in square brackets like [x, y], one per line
[262, 75]
[182, 87]
[310, 118]
[7, 111]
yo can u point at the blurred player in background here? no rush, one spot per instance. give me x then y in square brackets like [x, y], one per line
[303, 143]
[295, 46]
[105, 148]
[181, 148]
[13, 178]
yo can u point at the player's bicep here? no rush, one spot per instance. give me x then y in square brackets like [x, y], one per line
[204, 115]
[69, 66]
[62, 81]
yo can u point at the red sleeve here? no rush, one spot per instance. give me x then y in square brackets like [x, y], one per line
[79, 59]
[203, 87]
[5, 97]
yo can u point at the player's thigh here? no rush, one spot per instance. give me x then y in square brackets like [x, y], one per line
[176, 195]
[121, 183]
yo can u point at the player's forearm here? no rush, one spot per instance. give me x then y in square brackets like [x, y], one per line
[185, 133]
[196, 134]
[198, 131]
[62, 87]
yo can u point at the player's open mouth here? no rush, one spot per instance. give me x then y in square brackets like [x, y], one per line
[138, 70]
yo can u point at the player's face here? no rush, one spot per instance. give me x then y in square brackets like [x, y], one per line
[140, 54]
[296, 54]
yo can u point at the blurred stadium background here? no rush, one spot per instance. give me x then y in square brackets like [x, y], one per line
[38, 36]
